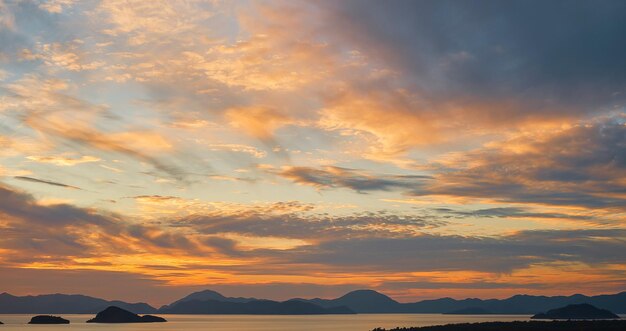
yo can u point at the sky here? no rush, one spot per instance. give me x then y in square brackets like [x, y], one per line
[282, 149]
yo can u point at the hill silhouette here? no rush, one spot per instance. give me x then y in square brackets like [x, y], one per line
[64, 304]
[118, 315]
[256, 307]
[368, 301]
[581, 311]
[361, 301]
[48, 319]
[206, 295]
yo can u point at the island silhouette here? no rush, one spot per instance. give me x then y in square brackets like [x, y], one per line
[582, 312]
[118, 315]
[48, 319]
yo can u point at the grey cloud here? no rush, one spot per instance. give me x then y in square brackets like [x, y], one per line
[57, 232]
[490, 254]
[332, 177]
[580, 166]
[48, 182]
[24, 206]
[223, 245]
[509, 212]
[459, 285]
[554, 57]
[310, 226]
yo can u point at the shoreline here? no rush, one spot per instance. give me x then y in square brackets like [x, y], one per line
[578, 325]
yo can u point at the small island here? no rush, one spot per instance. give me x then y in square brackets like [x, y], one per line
[576, 312]
[469, 311]
[48, 319]
[118, 315]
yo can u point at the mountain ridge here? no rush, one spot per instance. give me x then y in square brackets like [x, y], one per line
[64, 304]
[359, 301]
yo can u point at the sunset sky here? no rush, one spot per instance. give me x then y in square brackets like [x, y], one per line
[283, 149]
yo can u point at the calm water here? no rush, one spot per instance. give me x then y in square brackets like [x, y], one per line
[362, 322]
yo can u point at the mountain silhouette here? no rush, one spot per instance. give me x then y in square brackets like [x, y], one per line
[582, 312]
[207, 295]
[370, 301]
[118, 315]
[256, 307]
[518, 304]
[63, 304]
[362, 301]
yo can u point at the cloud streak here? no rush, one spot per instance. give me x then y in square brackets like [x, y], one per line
[360, 181]
[47, 182]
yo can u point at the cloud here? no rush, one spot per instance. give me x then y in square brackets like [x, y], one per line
[56, 6]
[255, 152]
[447, 253]
[234, 245]
[358, 180]
[46, 105]
[63, 161]
[258, 122]
[389, 119]
[524, 213]
[312, 227]
[41, 181]
[61, 233]
[68, 56]
[583, 165]
[487, 54]
[155, 22]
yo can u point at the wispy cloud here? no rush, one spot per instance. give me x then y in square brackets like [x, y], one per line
[358, 180]
[48, 182]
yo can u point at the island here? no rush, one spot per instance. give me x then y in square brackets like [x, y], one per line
[118, 315]
[592, 325]
[469, 311]
[48, 319]
[582, 311]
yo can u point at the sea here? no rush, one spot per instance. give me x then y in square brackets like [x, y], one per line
[358, 322]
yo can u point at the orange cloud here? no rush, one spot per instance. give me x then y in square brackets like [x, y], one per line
[63, 160]
[258, 122]
[389, 121]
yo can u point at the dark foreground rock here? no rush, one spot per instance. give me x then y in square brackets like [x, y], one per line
[578, 312]
[48, 319]
[118, 315]
[598, 325]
